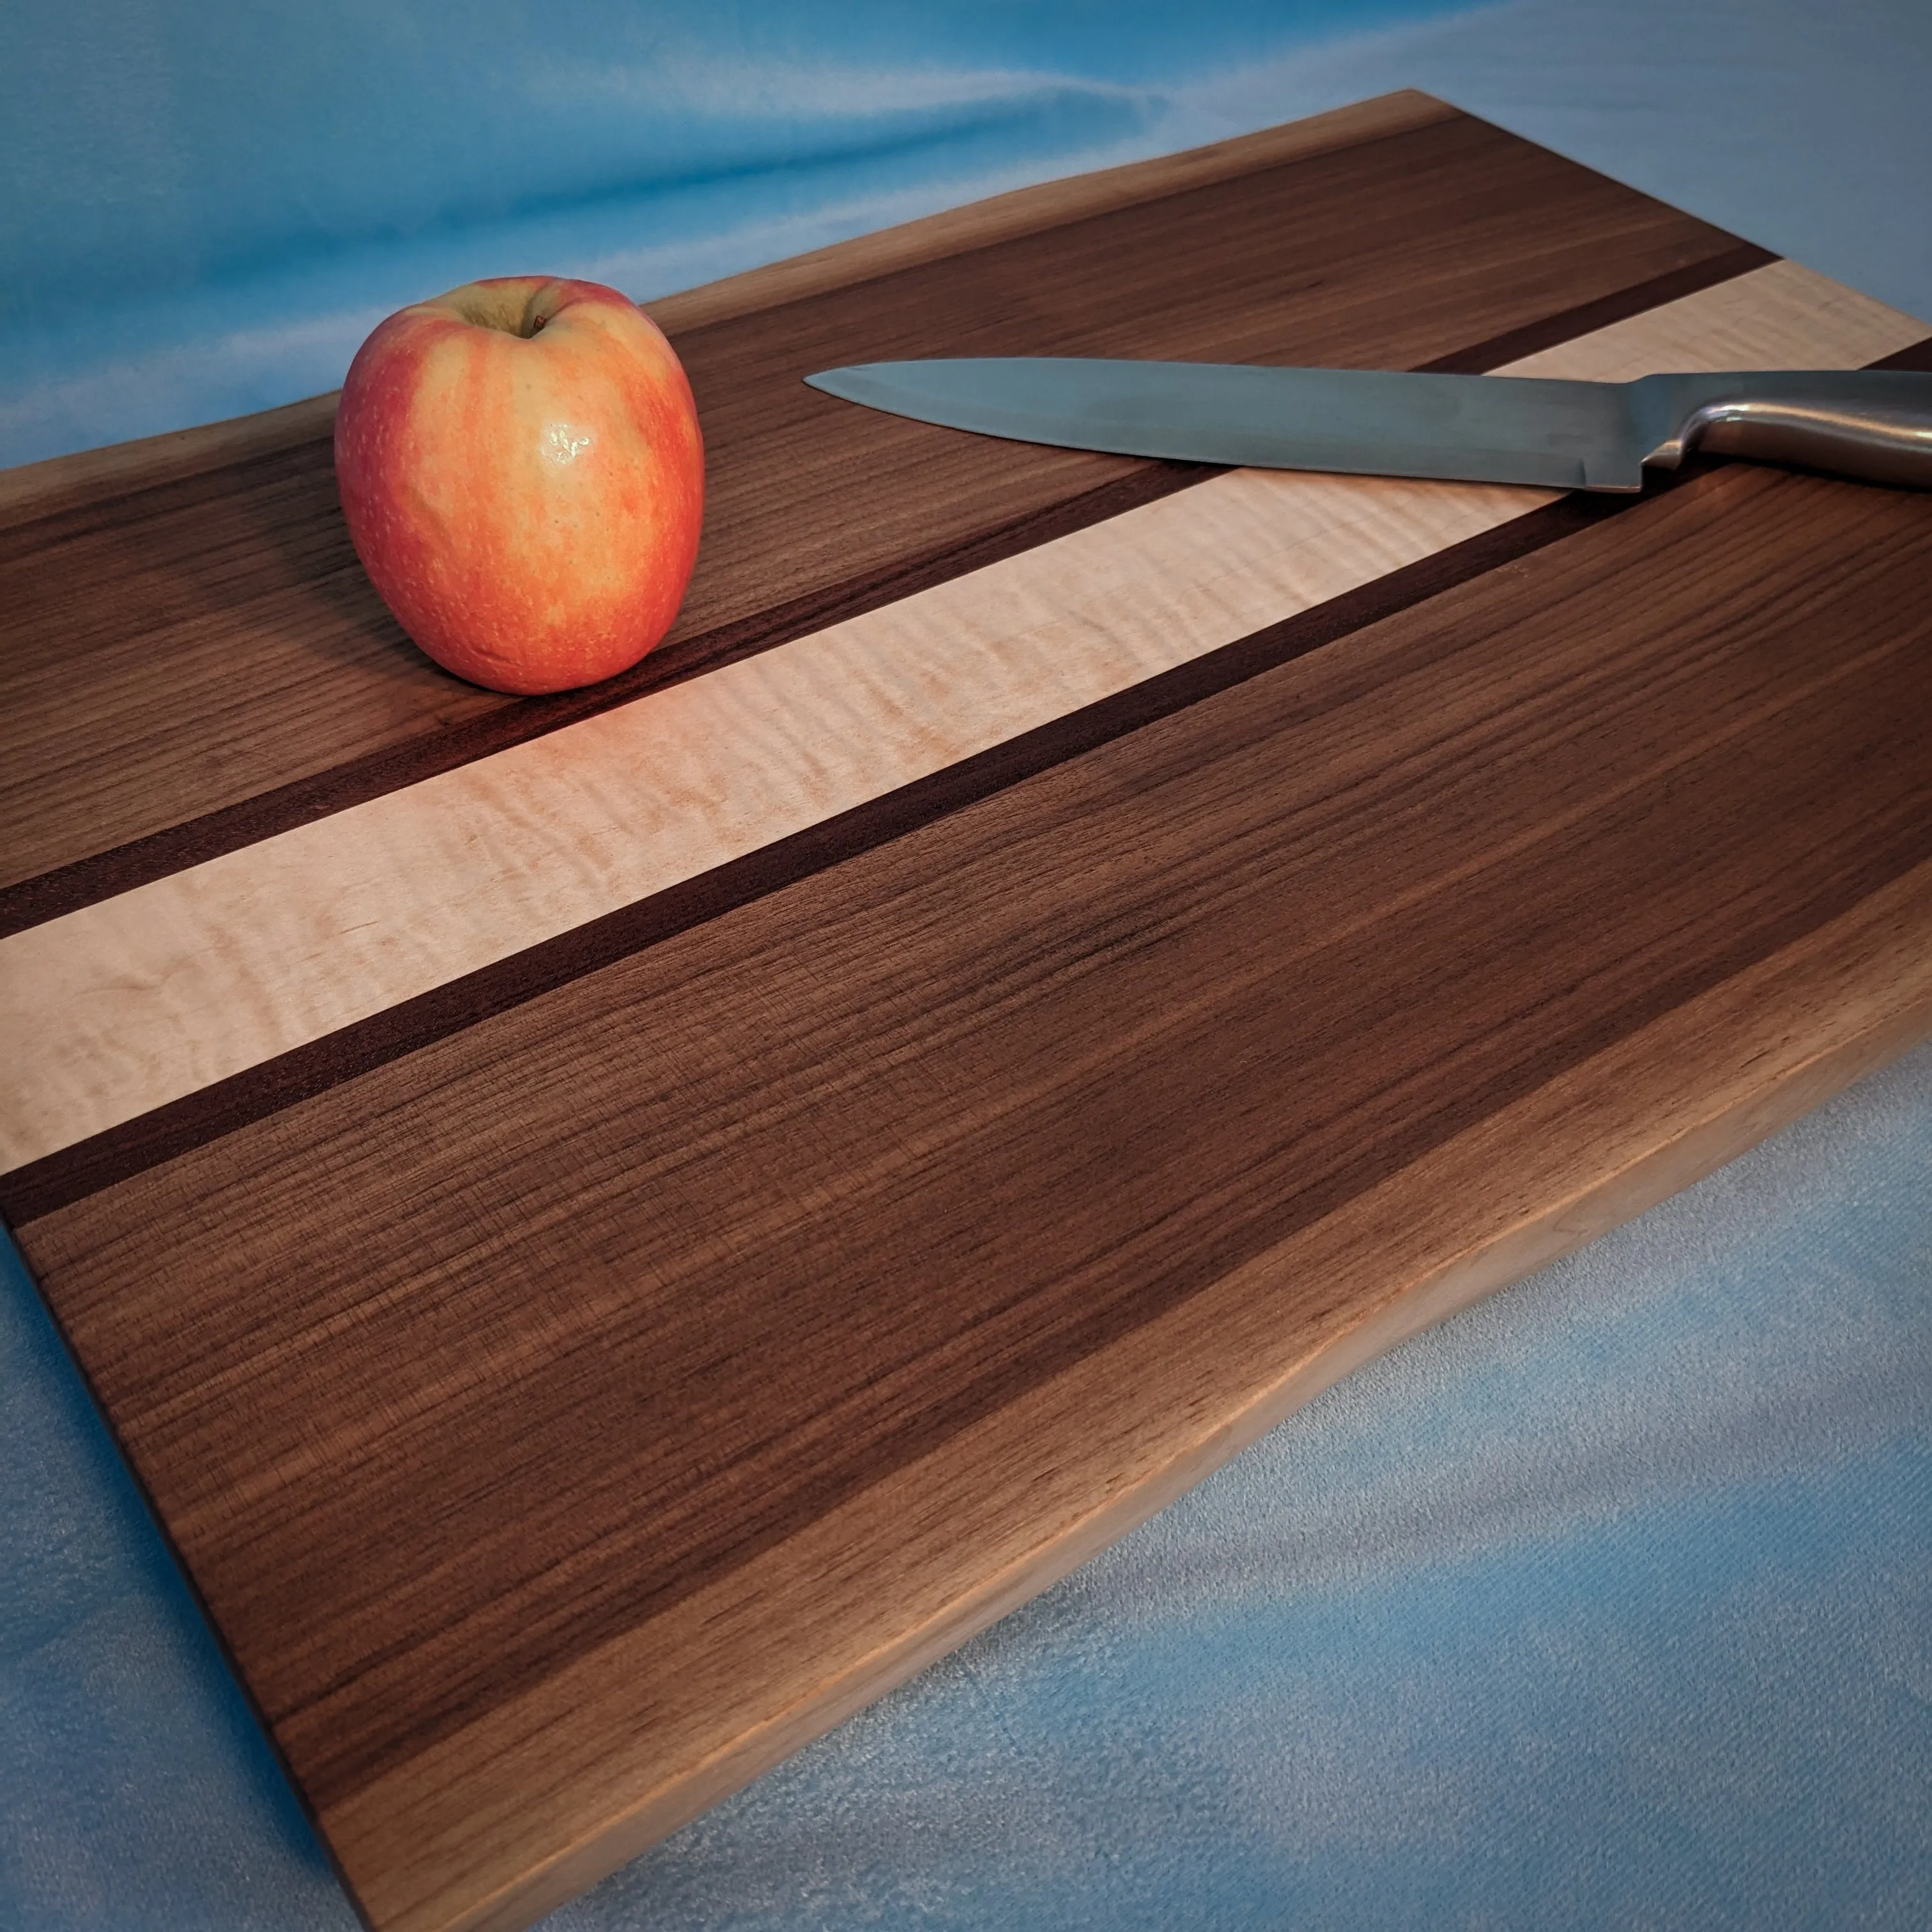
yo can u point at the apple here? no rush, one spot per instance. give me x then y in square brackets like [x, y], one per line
[521, 470]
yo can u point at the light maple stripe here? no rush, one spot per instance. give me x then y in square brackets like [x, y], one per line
[1783, 315]
[121, 1006]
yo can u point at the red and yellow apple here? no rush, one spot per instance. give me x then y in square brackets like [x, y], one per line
[520, 467]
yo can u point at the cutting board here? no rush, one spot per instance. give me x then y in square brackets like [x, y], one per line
[612, 1228]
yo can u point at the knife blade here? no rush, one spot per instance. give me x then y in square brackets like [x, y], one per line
[1875, 425]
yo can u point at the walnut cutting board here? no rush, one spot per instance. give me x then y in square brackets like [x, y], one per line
[613, 1227]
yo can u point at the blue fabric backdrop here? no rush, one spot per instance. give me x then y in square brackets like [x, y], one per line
[1608, 1604]
[205, 205]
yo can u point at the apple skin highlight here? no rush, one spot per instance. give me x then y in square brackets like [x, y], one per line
[522, 476]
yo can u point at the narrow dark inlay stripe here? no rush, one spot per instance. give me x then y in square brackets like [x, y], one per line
[57, 1179]
[102, 875]
[1918, 355]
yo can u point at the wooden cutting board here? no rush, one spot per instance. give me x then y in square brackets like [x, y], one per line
[613, 1227]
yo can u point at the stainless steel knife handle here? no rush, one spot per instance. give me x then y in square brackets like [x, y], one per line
[1872, 423]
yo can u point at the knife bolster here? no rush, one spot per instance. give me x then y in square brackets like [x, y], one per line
[1874, 426]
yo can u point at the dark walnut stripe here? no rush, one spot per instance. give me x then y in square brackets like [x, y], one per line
[197, 665]
[106, 1159]
[734, 1225]
[1548, 331]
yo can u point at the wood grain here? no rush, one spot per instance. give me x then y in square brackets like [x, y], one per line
[280, 669]
[104, 1158]
[572, 1386]
[125, 1006]
[821, 1185]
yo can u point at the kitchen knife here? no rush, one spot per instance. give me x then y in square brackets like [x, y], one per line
[1876, 424]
